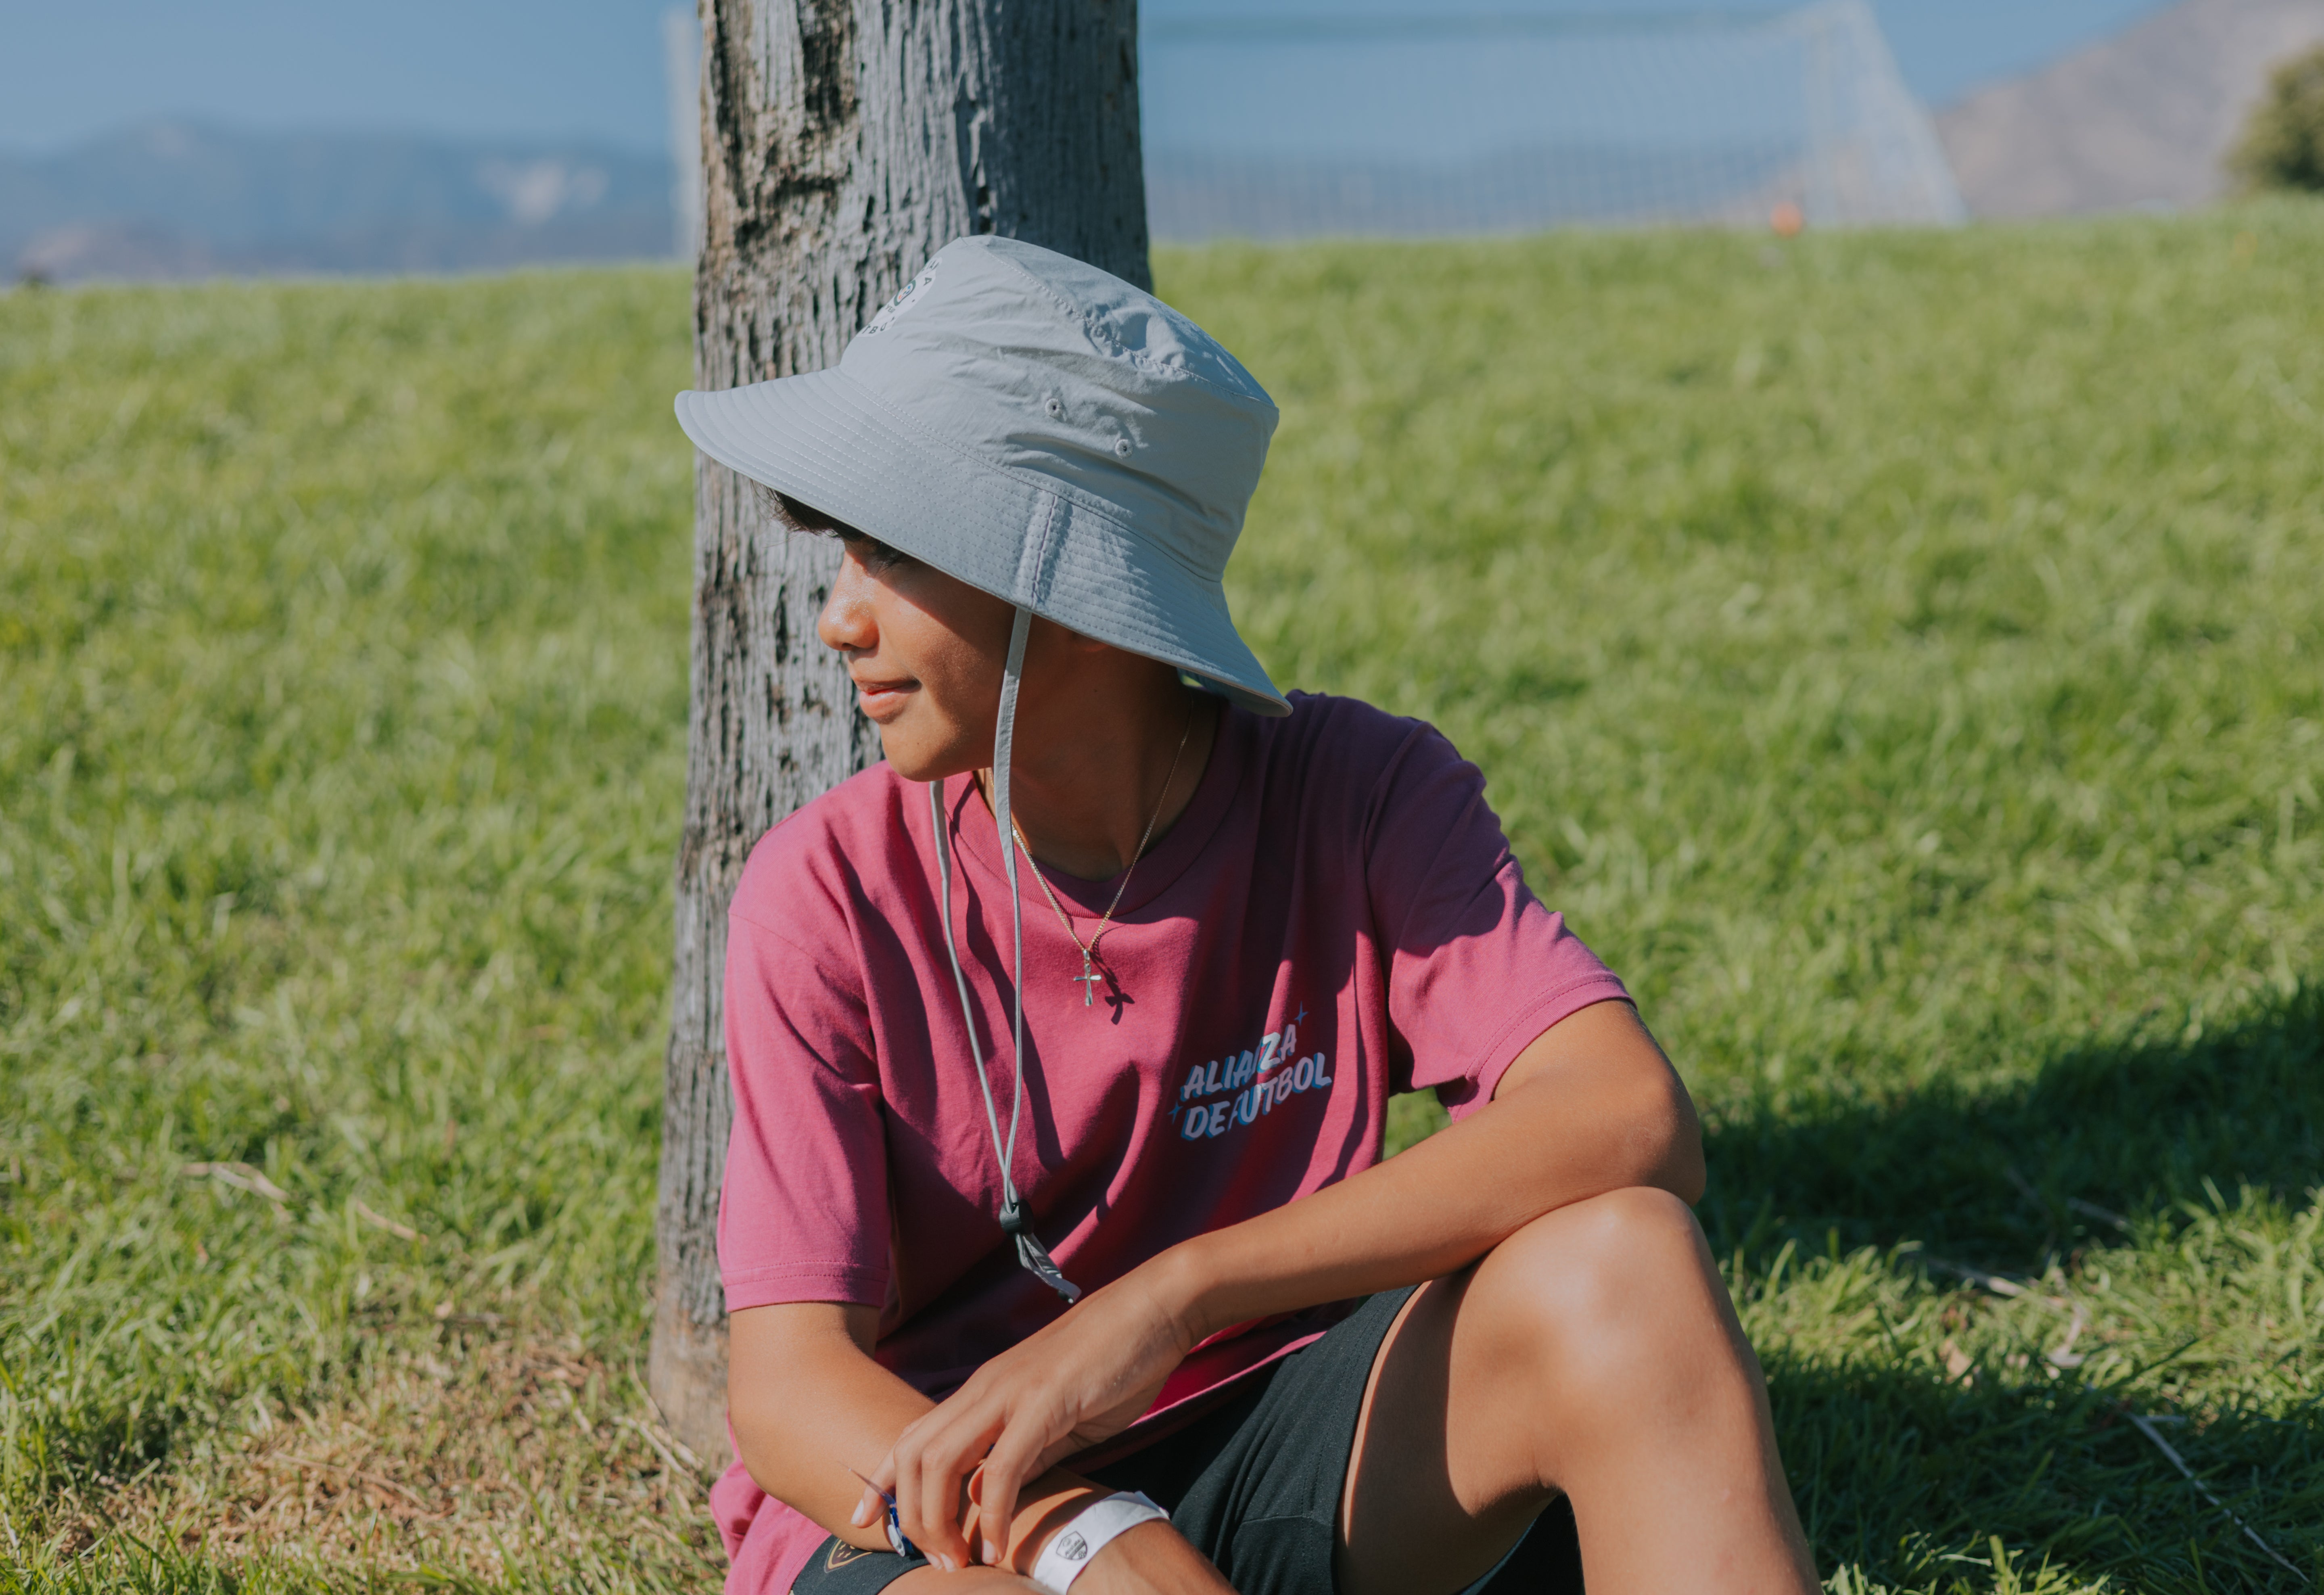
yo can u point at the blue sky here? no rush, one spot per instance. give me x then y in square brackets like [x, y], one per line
[593, 69]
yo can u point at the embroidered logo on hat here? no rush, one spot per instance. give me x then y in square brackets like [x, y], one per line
[911, 293]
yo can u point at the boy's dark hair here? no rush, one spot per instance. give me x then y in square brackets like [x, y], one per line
[790, 512]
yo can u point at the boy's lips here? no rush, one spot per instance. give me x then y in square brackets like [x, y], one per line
[883, 699]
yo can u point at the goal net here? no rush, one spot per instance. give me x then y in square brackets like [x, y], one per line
[1428, 124]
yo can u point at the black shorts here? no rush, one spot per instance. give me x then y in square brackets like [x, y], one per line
[1256, 1482]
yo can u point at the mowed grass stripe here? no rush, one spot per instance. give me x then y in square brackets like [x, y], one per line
[1896, 653]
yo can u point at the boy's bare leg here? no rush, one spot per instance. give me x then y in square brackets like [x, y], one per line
[1594, 1351]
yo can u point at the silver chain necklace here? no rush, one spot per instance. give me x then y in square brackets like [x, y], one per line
[1089, 977]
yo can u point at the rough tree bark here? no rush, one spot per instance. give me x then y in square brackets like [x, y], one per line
[844, 142]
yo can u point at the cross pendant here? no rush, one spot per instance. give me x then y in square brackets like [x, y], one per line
[1087, 979]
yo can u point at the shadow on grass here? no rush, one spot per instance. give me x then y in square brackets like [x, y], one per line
[1898, 1467]
[2003, 1179]
[1898, 1471]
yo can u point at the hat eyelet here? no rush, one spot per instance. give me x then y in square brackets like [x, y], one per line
[1054, 408]
[1121, 446]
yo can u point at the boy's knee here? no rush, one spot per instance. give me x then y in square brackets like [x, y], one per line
[1602, 1291]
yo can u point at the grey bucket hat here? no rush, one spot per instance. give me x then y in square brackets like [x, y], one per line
[1038, 429]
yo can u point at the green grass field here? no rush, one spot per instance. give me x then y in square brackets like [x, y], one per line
[1898, 654]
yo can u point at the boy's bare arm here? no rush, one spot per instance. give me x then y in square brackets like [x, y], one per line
[1591, 1106]
[808, 1404]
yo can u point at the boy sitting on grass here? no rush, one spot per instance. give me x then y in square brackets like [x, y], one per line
[1056, 1236]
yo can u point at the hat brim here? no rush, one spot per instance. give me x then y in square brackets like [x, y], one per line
[827, 440]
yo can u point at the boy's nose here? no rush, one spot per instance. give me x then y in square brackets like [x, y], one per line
[846, 624]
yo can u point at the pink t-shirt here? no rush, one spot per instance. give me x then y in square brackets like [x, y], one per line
[1334, 918]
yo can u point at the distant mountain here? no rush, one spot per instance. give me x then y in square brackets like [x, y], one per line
[2145, 118]
[175, 200]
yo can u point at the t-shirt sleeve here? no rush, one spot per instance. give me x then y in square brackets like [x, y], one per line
[803, 1213]
[1477, 967]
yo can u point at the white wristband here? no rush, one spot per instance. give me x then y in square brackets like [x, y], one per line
[1075, 1547]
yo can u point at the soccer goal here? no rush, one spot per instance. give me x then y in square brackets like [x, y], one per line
[1428, 124]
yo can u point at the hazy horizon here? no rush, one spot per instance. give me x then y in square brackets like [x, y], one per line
[591, 71]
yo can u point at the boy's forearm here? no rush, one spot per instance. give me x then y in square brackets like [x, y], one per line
[807, 1405]
[1560, 1137]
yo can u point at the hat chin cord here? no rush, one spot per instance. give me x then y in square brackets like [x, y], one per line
[1031, 1255]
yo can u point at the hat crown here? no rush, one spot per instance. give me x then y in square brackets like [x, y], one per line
[1068, 377]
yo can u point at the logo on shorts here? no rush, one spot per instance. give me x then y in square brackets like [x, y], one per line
[1256, 1080]
[840, 1554]
[1071, 1546]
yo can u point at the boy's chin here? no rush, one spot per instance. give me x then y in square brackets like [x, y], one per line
[915, 760]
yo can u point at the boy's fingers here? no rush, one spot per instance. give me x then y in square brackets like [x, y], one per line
[940, 1475]
[903, 1476]
[884, 1484]
[1003, 1478]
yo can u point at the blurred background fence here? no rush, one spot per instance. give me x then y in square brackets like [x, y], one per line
[1438, 123]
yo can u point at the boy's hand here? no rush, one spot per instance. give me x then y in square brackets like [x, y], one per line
[1081, 1379]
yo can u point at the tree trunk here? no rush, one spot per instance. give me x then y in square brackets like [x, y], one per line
[844, 142]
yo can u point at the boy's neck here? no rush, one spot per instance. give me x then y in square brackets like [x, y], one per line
[1094, 769]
